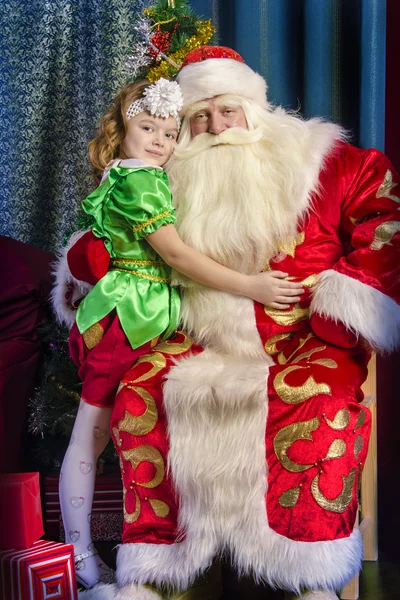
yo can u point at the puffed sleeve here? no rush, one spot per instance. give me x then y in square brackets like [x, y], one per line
[144, 198]
[363, 288]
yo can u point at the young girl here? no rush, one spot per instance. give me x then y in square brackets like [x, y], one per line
[133, 303]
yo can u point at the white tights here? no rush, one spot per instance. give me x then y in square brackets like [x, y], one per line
[89, 437]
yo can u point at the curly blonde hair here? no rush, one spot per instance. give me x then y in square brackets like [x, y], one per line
[113, 126]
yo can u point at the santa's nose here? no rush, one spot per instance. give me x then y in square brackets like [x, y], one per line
[216, 124]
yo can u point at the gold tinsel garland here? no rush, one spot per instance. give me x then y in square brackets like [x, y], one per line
[166, 69]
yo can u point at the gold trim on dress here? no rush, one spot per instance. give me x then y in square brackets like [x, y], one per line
[140, 274]
[151, 221]
[138, 263]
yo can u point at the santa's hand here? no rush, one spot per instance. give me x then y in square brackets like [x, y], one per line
[272, 289]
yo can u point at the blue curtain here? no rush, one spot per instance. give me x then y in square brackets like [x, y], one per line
[61, 63]
[325, 57]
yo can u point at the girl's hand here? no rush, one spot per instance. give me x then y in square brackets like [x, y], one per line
[271, 289]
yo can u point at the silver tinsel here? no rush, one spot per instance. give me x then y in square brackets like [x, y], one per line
[39, 414]
[139, 57]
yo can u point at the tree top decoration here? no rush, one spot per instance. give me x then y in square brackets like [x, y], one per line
[167, 32]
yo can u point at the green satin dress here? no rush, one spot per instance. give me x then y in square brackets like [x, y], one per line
[132, 203]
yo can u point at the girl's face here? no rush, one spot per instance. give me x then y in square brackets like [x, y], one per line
[150, 139]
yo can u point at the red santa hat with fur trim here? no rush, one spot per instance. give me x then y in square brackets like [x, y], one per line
[215, 70]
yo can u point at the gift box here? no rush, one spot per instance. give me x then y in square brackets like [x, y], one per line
[43, 571]
[20, 510]
[107, 509]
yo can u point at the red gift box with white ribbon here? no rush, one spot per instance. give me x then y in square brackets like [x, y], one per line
[44, 571]
[20, 510]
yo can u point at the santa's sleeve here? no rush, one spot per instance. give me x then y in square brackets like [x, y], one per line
[362, 290]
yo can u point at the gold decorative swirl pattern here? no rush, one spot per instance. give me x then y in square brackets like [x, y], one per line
[310, 281]
[307, 354]
[142, 424]
[133, 516]
[296, 394]
[158, 361]
[287, 317]
[360, 419]
[287, 436]
[342, 501]
[93, 335]
[336, 449]
[340, 421]
[174, 347]
[358, 446]
[289, 246]
[384, 233]
[270, 345]
[282, 360]
[289, 498]
[386, 187]
[146, 454]
[161, 509]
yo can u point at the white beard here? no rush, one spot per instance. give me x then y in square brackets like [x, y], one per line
[238, 198]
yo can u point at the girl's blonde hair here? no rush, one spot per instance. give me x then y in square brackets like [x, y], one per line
[113, 126]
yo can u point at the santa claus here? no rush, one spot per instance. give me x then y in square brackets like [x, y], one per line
[245, 433]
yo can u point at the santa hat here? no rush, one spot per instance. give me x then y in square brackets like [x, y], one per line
[214, 70]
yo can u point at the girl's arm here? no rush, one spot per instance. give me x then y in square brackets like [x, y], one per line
[269, 288]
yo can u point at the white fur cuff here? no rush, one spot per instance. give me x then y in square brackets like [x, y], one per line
[113, 592]
[363, 309]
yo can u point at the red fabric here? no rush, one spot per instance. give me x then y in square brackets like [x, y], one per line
[333, 332]
[20, 510]
[88, 259]
[45, 570]
[24, 289]
[206, 52]
[140, 396]
[101, 368]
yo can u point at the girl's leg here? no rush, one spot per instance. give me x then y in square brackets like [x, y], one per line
[89, 438]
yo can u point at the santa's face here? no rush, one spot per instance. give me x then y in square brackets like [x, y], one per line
[215, 115]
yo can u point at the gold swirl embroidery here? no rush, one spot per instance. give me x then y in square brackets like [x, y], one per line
[287, 317]
[336, 450]
[287, 436]
[160, 508]
[289, 498]
[340, 420]
[158, 361]
[118, 441]
[282, 360]
[358, 446]
[133, 516]
[270, 345]
[170, 347]
[143, 424]
[342, 501]
[360, 419]
[310, 281]
[386, 187]
[151, 221]
[142, 275]
[296, 394]
[93, 335]
[307, 354]
[146, 454]
[384, 233]
[289, 246]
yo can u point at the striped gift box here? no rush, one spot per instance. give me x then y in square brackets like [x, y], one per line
[107, 500]
[44, 571]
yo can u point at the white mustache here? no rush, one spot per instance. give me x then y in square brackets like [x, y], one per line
[234, 136]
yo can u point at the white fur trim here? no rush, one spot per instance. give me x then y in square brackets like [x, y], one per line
[217, 76]
[101, 591]
[104, 591]
[319, 595]
[363, 309]
[65, 311]
[216, 410]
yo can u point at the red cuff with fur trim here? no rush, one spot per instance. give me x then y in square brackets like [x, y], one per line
[88, 259]
[333, 332]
